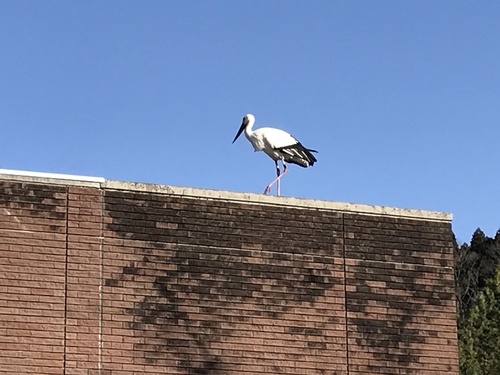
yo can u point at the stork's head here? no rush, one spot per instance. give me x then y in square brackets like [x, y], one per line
[248, 120]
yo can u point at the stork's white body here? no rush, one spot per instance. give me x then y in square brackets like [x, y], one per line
[269, 140]
[278, 145]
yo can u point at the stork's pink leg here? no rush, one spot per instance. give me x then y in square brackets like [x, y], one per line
[268, 187]
[278, 173]
[277, 179]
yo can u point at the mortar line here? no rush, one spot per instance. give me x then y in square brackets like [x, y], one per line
[101, 273]
[66, 268]
[345, 295]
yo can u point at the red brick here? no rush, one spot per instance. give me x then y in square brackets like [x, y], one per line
[163, 283]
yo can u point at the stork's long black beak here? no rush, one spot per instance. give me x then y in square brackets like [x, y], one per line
[242, 127]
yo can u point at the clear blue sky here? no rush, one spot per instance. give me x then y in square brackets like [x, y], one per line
[400, 98]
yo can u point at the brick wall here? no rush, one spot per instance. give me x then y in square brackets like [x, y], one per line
[32, 278]
[118, 278]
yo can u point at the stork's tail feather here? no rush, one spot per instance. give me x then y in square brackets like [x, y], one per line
[298, 154]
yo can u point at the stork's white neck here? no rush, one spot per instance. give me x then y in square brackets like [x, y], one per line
[248, 128]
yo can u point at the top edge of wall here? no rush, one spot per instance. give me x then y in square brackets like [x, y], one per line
[247, 198]
[51, 178]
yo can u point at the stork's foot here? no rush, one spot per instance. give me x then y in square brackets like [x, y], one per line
[268, 189]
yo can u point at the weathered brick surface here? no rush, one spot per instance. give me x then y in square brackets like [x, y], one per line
[84, 278]
[400, 296]
[114, 282]
[32, 278]
[218, 287]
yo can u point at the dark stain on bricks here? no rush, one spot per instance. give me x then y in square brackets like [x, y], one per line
[404, 293]
[38, 200]
[210, 271]
[130, 270]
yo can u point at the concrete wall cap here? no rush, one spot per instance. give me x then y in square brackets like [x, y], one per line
[246, 198]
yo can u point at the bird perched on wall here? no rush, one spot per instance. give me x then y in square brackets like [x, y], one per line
[278, 145]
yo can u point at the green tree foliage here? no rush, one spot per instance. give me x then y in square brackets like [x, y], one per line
[474, 264]
[479, 332]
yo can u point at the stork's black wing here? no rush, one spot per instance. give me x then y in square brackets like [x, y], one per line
[298, 154]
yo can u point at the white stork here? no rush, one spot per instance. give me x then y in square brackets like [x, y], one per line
[278, 145]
